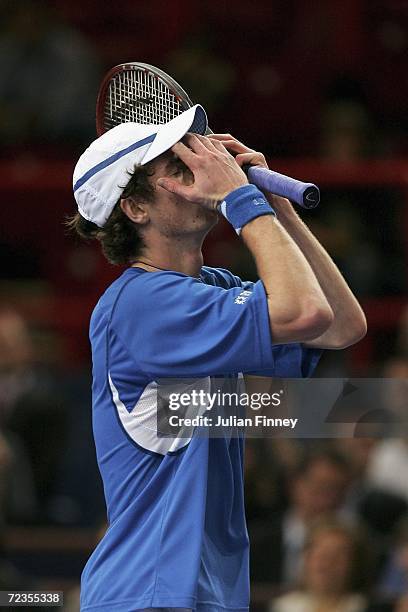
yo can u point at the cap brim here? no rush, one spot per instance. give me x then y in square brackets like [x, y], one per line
[192, 120]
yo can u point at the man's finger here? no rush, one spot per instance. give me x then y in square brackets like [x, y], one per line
[184, 153]
[223, 137]
[253, 159]
[232, 142]
[205, 141]
[195, 142]
[199, 144]
[174, 187]
[233, 145]
[219, 146]
[213, 145]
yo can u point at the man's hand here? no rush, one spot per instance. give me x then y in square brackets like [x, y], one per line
[215, 171]
[246, 156]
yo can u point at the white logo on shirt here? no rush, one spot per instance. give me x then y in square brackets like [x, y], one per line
[242, 297]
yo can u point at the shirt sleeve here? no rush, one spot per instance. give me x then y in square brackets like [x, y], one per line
[177, 326]
[288, 360]
[292, 361]
[224, 278]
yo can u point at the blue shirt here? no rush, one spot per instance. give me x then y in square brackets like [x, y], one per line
[177, 535]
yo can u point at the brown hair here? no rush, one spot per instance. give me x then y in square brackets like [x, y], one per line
[361, 564]
[120, 238]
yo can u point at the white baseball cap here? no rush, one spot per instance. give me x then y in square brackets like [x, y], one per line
[103, 170]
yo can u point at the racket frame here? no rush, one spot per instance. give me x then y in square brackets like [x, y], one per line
[175, 89]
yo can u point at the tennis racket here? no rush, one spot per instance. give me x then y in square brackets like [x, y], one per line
[144, 94]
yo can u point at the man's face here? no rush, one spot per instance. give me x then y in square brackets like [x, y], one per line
[328, 563]
[320, 490]
[169, 213]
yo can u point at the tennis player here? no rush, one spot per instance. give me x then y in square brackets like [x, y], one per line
[177, 537]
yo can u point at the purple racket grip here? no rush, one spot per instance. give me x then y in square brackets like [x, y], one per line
[306, 195]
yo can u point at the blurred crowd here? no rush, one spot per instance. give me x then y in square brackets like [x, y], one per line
[328, 519]
[325, 535]
[49, 76]
[238, 63]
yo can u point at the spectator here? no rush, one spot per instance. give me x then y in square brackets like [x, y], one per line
[49, 77]
[402, 604]
[5, 461]
[10, 576]
[317, 489]
[202, 72]
[402, 341]
[16, 352]
[379, 509]
[347, 130]
[264, 481]
[33, 416]
[332, 566]
[388, 465]
[394, 581]
[341, 228]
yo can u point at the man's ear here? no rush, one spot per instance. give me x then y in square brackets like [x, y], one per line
[136, 211]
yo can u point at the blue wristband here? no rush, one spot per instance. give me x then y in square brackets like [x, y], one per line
[244, 204]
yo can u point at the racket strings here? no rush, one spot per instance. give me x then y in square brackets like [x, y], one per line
[141, 97]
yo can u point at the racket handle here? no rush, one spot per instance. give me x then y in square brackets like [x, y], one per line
[306, 195]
